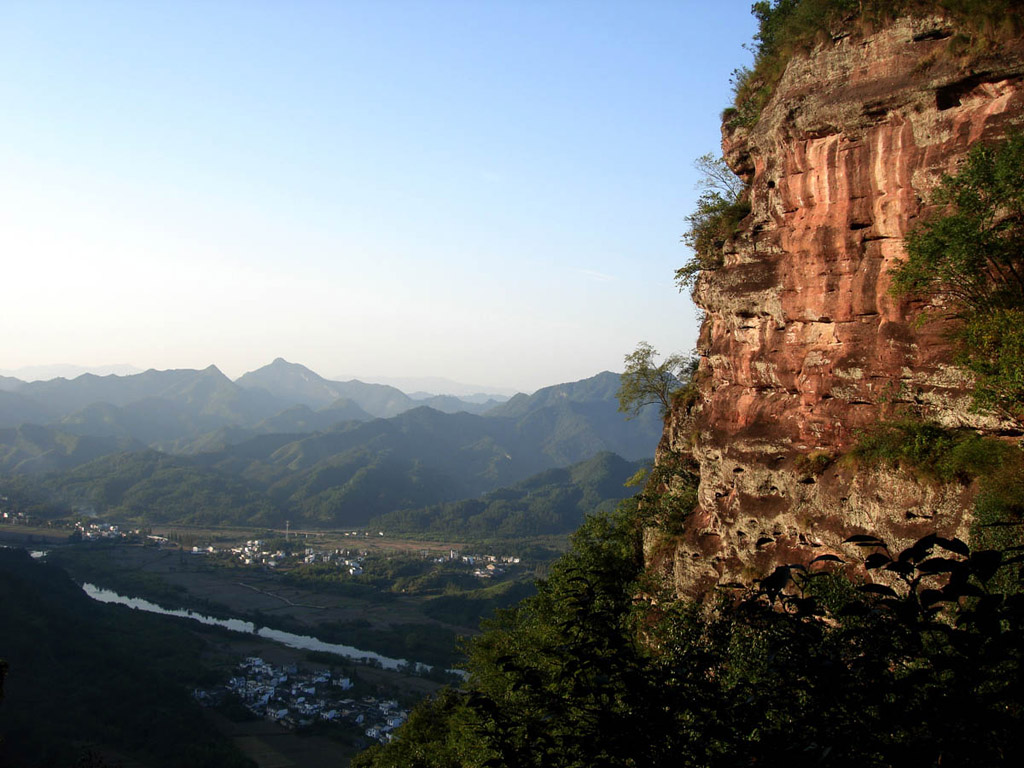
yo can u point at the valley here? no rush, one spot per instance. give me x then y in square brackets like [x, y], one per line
[352, 528]
[411, 608]
[800, 543]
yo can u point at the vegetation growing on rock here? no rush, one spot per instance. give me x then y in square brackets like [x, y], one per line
[790, 27]
[803, 668]
[648, 382]
[722, 205]
[971, 256]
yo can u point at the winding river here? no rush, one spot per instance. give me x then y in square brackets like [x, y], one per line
[303, 642]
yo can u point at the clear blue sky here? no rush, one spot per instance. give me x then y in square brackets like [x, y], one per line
[487, 191]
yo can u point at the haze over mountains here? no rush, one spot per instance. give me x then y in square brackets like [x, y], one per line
[68, 371]
[282, 442]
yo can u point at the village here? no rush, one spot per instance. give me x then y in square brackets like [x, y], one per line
[298, 698]
[267, 554]
[256, 552]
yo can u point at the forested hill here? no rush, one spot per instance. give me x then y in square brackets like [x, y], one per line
[339, 479]
[342, 475]
[552, 502]
[190, 411]
[84, 677]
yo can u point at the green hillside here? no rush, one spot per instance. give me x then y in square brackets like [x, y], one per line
[552, 502]
[84, 678]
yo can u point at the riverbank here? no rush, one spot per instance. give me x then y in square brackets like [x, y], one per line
[378, 612]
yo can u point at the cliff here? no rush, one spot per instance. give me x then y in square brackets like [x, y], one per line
[803, 344]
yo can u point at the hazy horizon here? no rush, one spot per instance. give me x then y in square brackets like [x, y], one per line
[435, 385]
[484, 192]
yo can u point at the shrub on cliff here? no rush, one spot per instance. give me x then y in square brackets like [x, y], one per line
[721, 207]
[931, 451]
[789, 27]
[971, 257]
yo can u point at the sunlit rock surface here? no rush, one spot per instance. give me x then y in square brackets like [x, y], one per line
[804, 344]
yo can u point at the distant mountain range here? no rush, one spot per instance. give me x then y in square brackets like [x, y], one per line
[282, 442]
[168, 408]
[418, 387]
[44, 372]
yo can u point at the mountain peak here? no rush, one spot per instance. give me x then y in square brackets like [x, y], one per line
[213, 371]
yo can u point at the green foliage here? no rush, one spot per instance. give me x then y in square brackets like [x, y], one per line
[992, 348]
[789, 27]
[814, 463]
[553, 502]
[647, 382]
[972, 258]
[721, 207]
[971, 254]
[86, 675]
[438, 734]
[998, 520]
[807, 668]
[468, 608]
[930, 450]
[668, 499]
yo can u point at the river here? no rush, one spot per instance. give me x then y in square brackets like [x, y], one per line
[303, 642]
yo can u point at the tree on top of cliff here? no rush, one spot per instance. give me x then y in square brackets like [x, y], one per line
[972, 258]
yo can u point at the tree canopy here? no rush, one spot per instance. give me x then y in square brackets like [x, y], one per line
[804, 668]
[722, 205]
[970, 257]
[648, 382]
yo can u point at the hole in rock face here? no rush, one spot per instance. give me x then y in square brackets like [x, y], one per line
[933, 34]
[950, 95]
[946, 98]
[771, 184]
[857, 225]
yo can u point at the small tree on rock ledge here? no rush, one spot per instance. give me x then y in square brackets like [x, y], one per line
[645, 382]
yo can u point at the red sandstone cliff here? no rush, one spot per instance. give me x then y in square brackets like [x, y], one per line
[803, 343]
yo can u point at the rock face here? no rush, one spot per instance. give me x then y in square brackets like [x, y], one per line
[803, 344]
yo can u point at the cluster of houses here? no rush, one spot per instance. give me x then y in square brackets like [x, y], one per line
[486, 566]
[15, 518]
[253, 552]
[97, 531]
[341, 558]
[298, 698]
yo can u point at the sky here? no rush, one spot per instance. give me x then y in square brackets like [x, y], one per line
[490, 191]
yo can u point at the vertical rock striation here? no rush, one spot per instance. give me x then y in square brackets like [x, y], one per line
[803, 344]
